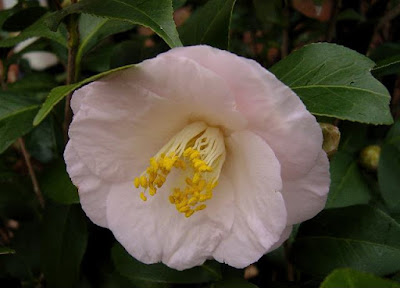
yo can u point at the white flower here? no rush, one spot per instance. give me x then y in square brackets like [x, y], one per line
[259, 166]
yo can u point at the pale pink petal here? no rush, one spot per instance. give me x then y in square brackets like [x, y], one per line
[306, 196]
[182, 80]
[93, 191]
[119, 123]
[153, 231]
[284, 236]
[259, 213]
[273, 110]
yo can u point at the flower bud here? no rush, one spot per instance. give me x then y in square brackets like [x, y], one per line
[331, 138]
[369, 157]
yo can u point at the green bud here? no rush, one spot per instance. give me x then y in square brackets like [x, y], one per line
[369, 157]
[331, 138]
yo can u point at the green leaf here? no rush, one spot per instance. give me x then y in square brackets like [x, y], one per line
[387, 66]
[335, 81]
[16, 116]
[155, 14]
[389, 169]
[37, 29]
[209, 25]
[24, 18]
[358, 237]
[64, 240]
[58, 93]
[57, 185]
[348, 278]
[348, 186]
[234, 283]
[134, 270]
[93, 29]
[6, 250]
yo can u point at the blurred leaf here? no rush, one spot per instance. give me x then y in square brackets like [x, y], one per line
[269, 11]
[16, 116]
[93, 29]
[387, 66]
[64, 240]
[42, 143]
[32, 84]
[350, 14]
[389, 169]
[155, 14]
[25, 262]
[234, 283]
[209, 25]
[58, 93]
[17, 199]
[134, 270]
[359, 237]
[37, 29]
[6, 250]
[22, 19]
[348, 186]
[348, 278]
[57, 185]
[335, 81]
[385, 50]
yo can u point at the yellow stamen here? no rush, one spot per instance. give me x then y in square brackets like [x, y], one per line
[198, 151]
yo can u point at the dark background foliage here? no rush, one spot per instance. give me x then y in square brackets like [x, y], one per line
[45, 238]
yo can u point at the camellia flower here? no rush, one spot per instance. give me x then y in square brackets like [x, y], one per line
[196, 154]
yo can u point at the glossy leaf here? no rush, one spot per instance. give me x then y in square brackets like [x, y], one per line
[387, 66]
[134, 270]
[389, 169]
[209, 25]
[93, 29]
[348, 278]
[58, 93]
[16, 115]
[348, 187]
[335, 81]
[358, 237]
[37, 29]
[57, 185]
[64, 240]
[155, 14]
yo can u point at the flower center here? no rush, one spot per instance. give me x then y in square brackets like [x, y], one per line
[198, 151]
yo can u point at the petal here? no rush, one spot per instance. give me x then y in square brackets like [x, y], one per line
[153, 231]
[182, 80]
[284, 236]
[259, 214]
[115, 139]
[274, 111]
[116, 136]
[306, 196]
[93, 191]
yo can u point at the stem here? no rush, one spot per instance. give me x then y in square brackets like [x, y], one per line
[32, 174]
[73, 44]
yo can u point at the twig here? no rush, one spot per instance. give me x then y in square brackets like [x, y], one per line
[32, 174]
[73, 43]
